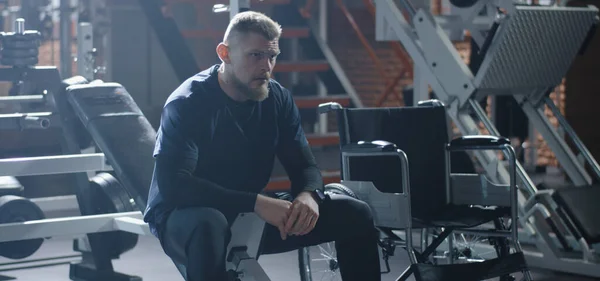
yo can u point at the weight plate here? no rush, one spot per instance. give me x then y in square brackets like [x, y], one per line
[28, 35]
[19, 61]
[9, 44]
[111, 194]
[18, 209]
[20, 53]
[110, 197]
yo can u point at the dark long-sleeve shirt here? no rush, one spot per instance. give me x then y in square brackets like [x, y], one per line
[212, 151]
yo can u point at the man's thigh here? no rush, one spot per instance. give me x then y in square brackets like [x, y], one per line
[340, 218]
[182, 224]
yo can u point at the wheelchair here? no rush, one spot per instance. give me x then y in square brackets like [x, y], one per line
[398, 160]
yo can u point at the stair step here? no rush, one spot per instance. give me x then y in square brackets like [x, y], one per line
[315, 101]
[302, 66]
[279, 184]
[288, 32]
[326, 139]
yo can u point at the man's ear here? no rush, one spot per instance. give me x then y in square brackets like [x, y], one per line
[223, 53]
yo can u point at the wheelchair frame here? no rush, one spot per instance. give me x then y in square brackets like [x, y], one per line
[462, 188]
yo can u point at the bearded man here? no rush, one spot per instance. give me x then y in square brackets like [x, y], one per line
[219, 134]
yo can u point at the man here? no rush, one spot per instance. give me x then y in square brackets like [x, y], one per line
[219, 134]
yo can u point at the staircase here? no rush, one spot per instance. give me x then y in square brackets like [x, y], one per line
[362, 69]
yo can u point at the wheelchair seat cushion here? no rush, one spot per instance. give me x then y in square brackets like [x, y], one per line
[461, 216]
[580, 204]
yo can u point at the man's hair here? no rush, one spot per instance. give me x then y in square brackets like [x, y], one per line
[247, 22]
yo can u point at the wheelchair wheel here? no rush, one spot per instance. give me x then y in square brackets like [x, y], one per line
[319, 263]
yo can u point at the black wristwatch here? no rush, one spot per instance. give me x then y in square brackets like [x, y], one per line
[319, 196]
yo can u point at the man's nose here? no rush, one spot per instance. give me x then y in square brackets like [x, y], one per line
[267, 64]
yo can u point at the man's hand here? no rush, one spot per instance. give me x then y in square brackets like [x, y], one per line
[273, 211]
[303, 215]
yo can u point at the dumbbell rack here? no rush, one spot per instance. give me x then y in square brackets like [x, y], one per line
[512, 66]
[20, 52]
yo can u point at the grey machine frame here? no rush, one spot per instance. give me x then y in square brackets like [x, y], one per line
[512, 66]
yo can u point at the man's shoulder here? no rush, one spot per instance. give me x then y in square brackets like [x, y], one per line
[194, 86]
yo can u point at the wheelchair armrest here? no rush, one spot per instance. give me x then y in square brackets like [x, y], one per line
[376, 148]
[370, 146]
[391, 210]
[478, 142]
[476, 189]
[328, 106]
[430, 103]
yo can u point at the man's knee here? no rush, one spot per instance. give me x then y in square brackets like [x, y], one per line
[356, 211]
[212, 220]
[186, 227]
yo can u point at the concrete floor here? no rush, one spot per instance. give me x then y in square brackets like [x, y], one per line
[148, 261]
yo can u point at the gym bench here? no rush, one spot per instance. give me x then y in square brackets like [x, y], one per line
[115, 122]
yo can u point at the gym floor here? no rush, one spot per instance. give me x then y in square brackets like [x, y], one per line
[147, 261]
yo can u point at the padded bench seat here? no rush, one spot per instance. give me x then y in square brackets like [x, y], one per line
[581, 205]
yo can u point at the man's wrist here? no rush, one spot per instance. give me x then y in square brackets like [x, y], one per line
[316, 195]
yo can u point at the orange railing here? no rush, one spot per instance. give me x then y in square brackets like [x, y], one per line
[397, 48]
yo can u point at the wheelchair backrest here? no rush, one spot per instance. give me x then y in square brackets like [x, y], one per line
[421, 132]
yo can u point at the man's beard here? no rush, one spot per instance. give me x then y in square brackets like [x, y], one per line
[255, 94]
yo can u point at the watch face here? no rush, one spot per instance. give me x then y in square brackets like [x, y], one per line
[320, 194]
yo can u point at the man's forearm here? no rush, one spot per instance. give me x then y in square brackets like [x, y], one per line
[301, 167]
[307, 179]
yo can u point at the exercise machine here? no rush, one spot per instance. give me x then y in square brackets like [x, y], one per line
[515, 62]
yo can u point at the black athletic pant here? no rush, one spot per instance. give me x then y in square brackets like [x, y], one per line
[198, 239]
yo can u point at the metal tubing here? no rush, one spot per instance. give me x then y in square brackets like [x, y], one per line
[33, 122]
[406, 193]
[22, 99]
[65, 39]
[514, 201]
[86, 63]
[26, 121]
[321, 89]
[237, 6]
[405, 173]
[20, 26]
[47, 165]
[567, 159]
[524, 177]
[576, 140]
[69, 226]
[482, 232]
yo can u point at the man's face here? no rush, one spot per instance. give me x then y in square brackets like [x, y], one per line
[253, 58]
